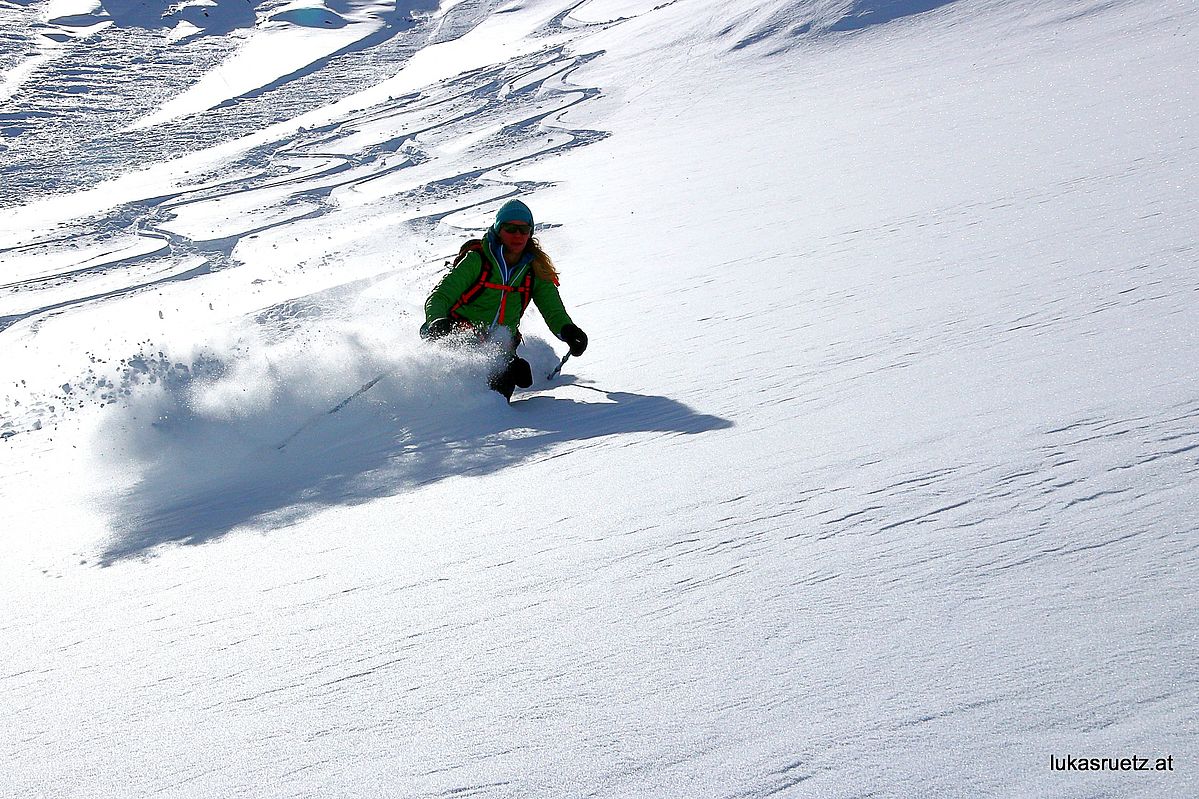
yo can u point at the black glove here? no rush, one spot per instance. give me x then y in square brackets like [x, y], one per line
[438, 328]
[576, 338]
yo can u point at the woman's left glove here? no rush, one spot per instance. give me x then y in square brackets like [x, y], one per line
[576, 338]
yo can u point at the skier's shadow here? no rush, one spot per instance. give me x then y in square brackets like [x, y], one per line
[545, 421]
[193, 494]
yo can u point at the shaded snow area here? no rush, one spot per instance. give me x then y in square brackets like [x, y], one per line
[878, 478]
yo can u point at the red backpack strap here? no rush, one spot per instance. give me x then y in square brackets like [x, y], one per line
[526, 290]
[474, 245]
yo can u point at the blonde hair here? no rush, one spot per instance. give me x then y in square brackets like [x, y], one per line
[543, 265]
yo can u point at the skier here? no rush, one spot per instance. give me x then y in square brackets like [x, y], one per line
[489, 287]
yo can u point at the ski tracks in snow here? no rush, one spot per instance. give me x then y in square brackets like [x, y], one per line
[438, 152]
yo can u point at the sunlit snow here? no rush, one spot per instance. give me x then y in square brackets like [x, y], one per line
[878, 478]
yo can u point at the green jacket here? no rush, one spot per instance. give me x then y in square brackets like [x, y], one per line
[484, 309]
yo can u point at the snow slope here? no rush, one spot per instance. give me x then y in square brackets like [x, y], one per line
[878, 478]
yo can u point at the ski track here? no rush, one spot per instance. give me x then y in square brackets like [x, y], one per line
[523, 127]
[94, 76]
[296, 180]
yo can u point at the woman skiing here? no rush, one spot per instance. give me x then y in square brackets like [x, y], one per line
[489, 287]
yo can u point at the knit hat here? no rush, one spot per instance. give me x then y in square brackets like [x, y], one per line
[513, 211]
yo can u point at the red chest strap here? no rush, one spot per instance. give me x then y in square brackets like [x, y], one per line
[525, 289]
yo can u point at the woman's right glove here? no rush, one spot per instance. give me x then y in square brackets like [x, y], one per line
[438, 328]
[576, 338]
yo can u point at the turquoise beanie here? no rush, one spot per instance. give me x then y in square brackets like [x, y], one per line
[513, 211]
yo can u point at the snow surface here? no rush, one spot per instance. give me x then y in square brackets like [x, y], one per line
[878, 479]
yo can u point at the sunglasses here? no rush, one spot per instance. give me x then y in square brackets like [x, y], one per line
[520, 230]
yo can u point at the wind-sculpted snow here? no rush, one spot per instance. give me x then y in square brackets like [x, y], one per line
[877, 477]
[780, 27]
[217, 17]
